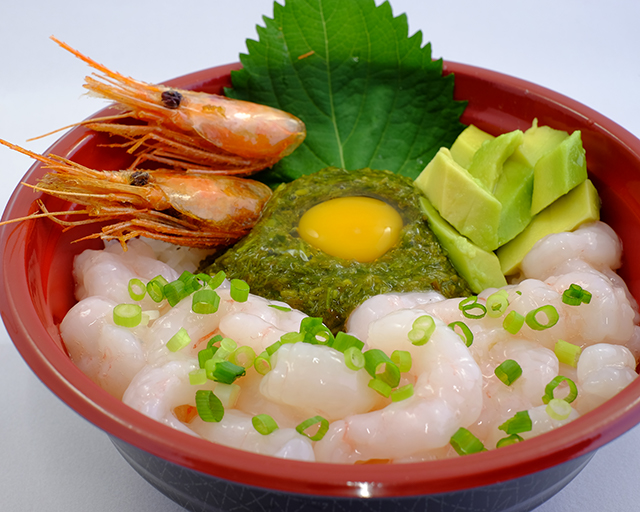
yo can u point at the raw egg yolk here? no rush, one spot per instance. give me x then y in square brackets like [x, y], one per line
[352, 228]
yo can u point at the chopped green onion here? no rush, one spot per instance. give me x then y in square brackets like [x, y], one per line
[497, 303]
[243, 356]
[354, 358]
[343, 341]
[215, 339]
[198, 377]
[228, 344]
[228, 394]
[513, 322]
[380, 386]
[520, 422]
[323, 427]
[315, 332]
[203, 278]
[558, 409]
[205, 354]
[402, 359]
[551, 387]
[239, 290]
[506, 441]
[205, 302]
[127, 315]
[380, 366]
[468, 305]
[190, 281]
[291, 337]
[262, 364]
[576, 295]
[175, 291]
[264, 424]
[137, 289]
[217, 280]
[280, 308]
[223, 371]
[397, 395]
[549, 311]
[421, 330]
[271, 349]
[155, 288]
[466, 335]
[179, 340]
[567, 353]
[508, 371]
[209, 406]
[465, 443]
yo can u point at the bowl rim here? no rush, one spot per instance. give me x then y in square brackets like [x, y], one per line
[58, 373]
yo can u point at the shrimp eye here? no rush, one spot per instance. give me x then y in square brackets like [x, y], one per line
[171, 99]
[139, 179]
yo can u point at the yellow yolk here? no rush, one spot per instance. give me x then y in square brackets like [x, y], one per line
[352, 228]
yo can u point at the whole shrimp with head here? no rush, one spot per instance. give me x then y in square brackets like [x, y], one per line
[193, 209]
[192, 130]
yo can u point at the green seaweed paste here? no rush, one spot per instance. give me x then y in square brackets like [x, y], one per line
[278, 264]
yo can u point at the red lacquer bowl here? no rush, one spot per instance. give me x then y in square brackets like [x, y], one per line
[36, 259]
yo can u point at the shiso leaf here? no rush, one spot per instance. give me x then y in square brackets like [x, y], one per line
[370, 95]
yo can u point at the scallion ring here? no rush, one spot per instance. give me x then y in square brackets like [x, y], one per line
[137, 289]
[520, 422]
[465, 443]
[343, 341]
[549, 311]
[421, 330]
[354, 358]
[551, 387]
[381, 387]
[567, 353]
[205, 302]
[508, 371]
[239, 290]
[323, 427]
[243, 356]
[402, 359]
[402, 393]
[179, 340]
[513, 322]
[209, 406]
[155, 288]
[558, 409]
[217, 280]
[380, 366]
[264, 424]
[497, 303]
[465, 333]
[262, 363]
[506, 441]
[127, 315]
[471, 304]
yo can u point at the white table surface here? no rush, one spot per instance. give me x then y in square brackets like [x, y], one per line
[51, 459]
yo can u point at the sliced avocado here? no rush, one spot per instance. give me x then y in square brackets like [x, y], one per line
[461, 199]
[580, 205]
[480, 268]
[487, 162]
[467, 143]
[558, 171]
[537, 142]
[513, 190]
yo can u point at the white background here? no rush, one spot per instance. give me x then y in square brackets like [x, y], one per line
[53, 460]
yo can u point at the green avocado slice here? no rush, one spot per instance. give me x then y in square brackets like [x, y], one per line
[480, 268]
[580, 205]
